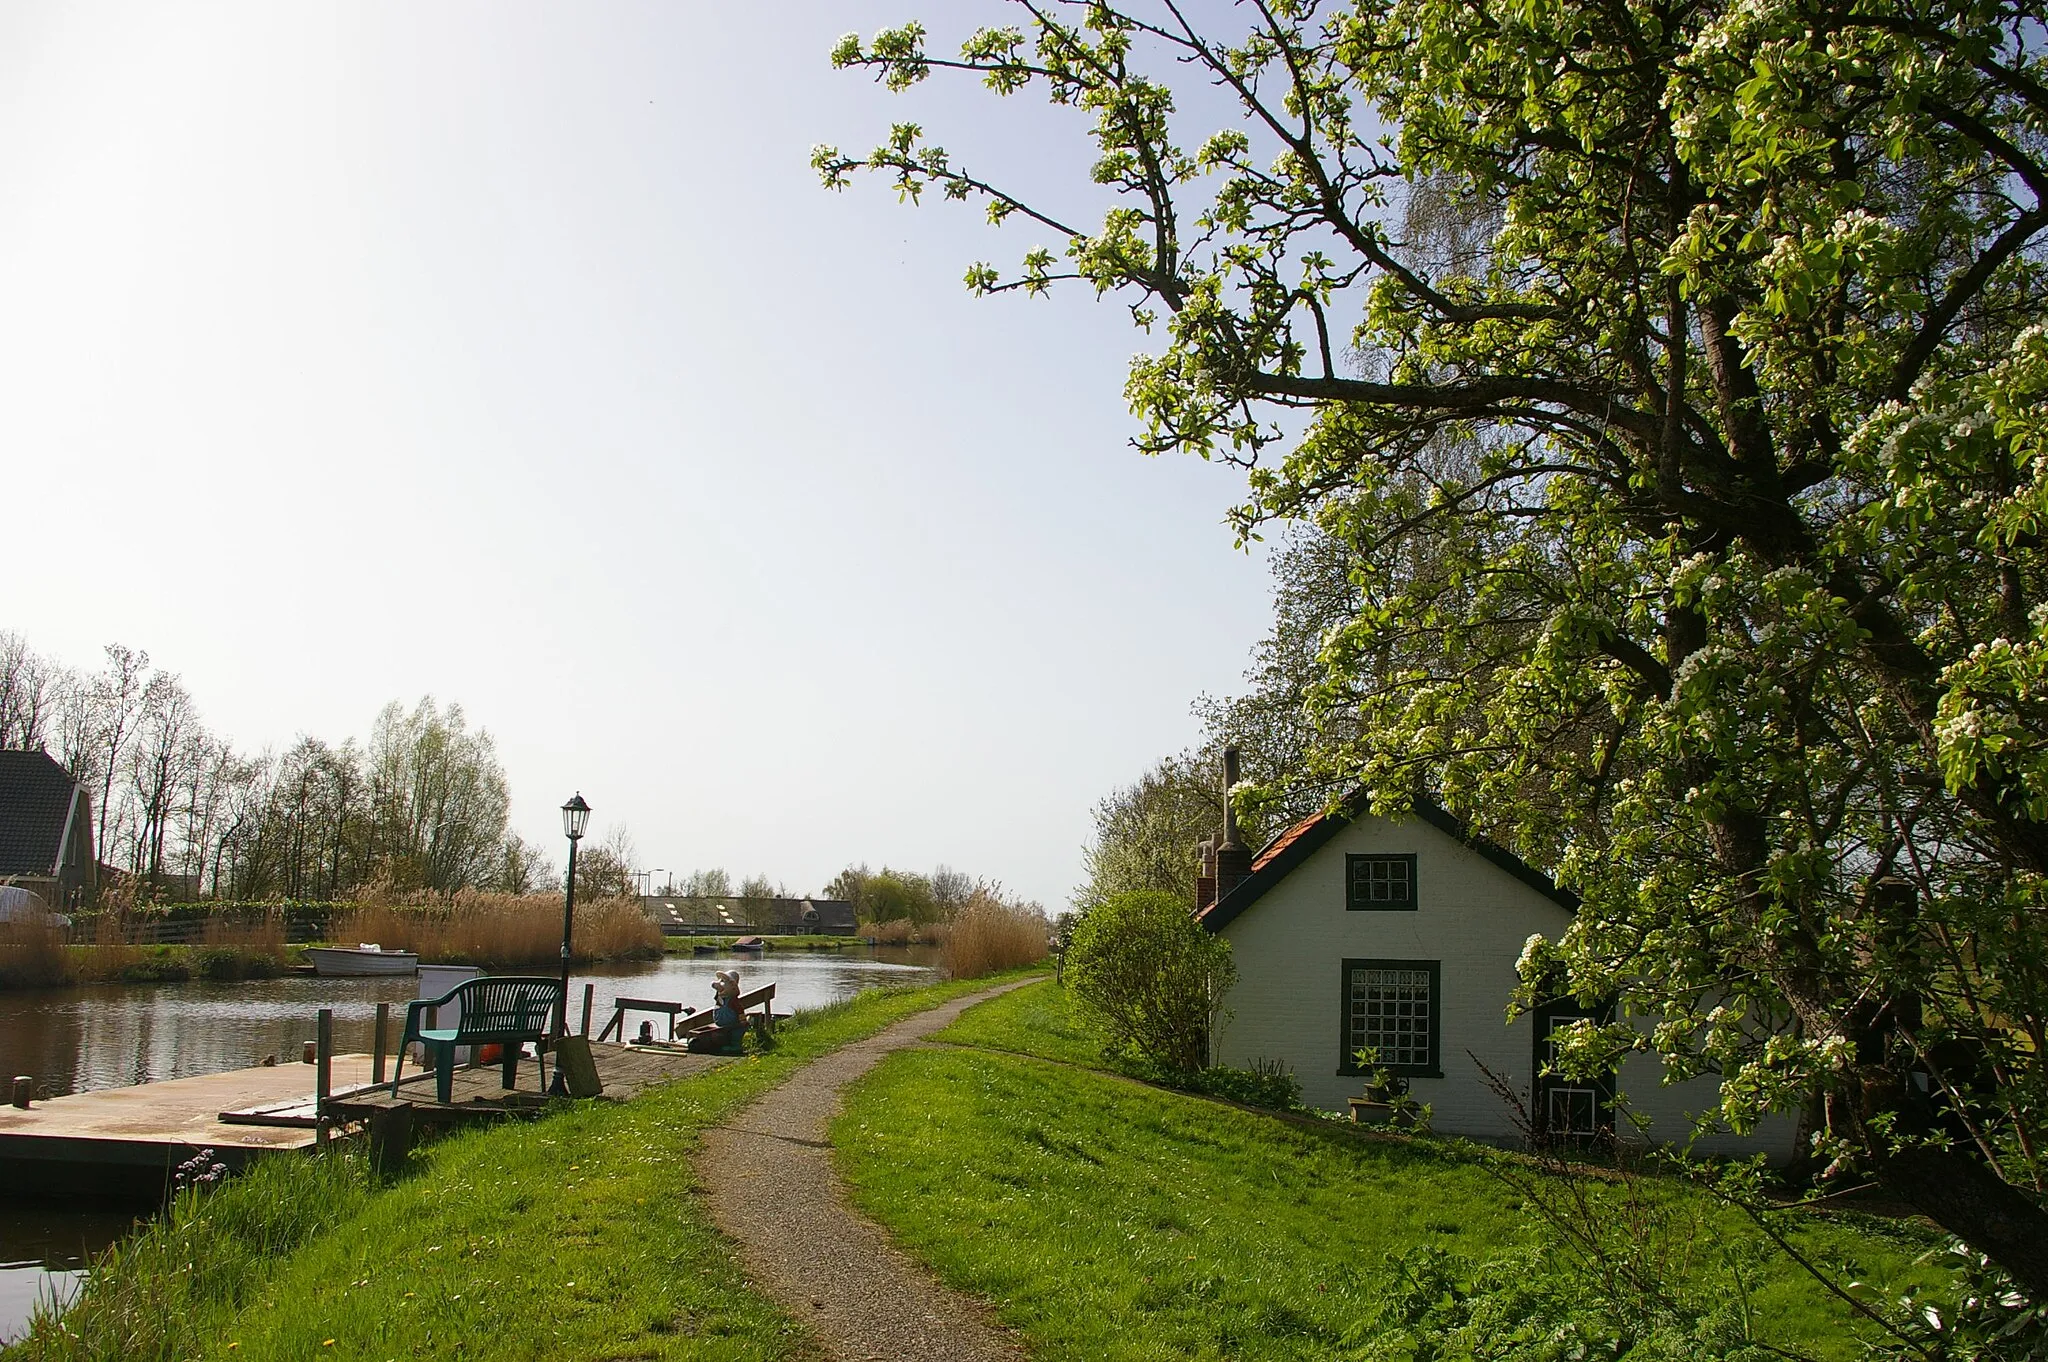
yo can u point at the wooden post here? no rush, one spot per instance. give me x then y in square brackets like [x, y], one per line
[323, 1075]
[390, 1137]
[589, 994]
[381, 1045]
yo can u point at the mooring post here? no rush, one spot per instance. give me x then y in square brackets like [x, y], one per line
[379, 1046]
[323, 1075]
[589, 995]
[24, 1090]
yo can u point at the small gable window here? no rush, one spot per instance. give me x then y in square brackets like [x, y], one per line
[1379, 883]
[1391, 1009]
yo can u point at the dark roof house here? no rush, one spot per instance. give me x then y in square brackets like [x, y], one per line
[697, 915]
[45, 829]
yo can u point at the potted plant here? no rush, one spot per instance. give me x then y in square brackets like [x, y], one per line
[1386, 1100]
[1384, 1092]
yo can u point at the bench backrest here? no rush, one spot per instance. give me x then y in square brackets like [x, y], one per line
[505, 1006]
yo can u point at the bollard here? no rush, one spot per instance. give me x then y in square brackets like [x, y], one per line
[383, 1043]
[323, 1077]
[24, 1090]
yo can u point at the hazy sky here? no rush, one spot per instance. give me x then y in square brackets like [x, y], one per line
[512, 354]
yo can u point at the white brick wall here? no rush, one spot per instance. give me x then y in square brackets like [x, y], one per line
[1473, 918]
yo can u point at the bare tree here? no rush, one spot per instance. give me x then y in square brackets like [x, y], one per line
[115, 701]
[28, 693]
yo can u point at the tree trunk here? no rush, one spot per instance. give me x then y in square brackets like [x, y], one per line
[1977, 1206]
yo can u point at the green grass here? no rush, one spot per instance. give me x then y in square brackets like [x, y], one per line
[581, 1235]
[1111, 1220]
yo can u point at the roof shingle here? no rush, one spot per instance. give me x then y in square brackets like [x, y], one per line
[35, 803]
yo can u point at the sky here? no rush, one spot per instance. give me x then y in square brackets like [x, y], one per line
[512, 354]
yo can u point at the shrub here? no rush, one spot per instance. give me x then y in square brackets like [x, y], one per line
[1265, 1083]
[989, 934]
[1154, 975]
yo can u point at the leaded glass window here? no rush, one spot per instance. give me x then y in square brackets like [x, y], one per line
[1390, 1006]
[1385, 883]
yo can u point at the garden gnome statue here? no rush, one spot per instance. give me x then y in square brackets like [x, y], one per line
[727, 1025]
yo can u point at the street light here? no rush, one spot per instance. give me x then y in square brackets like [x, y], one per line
[575, 817]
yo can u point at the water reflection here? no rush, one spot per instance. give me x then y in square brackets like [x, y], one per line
[43, 1253]
[115, 1035]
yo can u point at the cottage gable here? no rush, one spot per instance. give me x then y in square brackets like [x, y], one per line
[1394, 934]
[45, 829]
[1353, 930]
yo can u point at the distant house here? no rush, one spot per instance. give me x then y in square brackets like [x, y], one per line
[45, 830]
[706, 915]
[1351, 931]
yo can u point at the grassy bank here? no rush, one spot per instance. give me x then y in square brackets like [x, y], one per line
[576, 1236]
[1111, 1220]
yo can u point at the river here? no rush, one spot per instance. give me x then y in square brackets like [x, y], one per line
[116, 1035]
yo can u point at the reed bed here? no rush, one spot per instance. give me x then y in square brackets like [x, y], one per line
[990, 934]
[903, 932]
[32, 954]
[503, 929]
[241, 948]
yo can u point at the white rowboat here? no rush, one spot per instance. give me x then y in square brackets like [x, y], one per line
[367, 958]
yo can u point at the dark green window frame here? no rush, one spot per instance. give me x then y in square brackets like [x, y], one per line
[1349, 1029]
[1370, 883]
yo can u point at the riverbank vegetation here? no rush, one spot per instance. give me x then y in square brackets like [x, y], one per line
[501, 930]
[1114, 1220]
[498, 931]
[36, 955]
[990, 934]
[578, 1235]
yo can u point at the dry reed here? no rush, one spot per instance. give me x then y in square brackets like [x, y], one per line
[990, 934]
[903, 932]
[32, 954]
[502, 929]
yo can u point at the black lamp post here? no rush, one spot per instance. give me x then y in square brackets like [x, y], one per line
[575, 815]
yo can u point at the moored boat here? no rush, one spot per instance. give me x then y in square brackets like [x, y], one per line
[366, 958]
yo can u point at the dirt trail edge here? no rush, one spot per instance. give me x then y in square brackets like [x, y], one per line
[773, 1188]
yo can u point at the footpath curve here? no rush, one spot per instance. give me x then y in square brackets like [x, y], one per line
[772, 1187]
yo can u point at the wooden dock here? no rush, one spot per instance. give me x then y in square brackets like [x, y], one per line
[126, 1143]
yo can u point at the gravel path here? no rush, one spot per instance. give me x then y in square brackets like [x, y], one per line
[773, 1188]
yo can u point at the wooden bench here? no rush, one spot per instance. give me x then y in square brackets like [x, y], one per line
[621, 1006]
[509, 1010]
[684, 1022]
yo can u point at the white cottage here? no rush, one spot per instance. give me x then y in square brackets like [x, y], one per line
[1352, 931]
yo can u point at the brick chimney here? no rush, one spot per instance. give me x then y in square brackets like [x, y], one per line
[1233, 858]
[1205, 875]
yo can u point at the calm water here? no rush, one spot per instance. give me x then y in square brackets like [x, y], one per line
[116, 1035]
